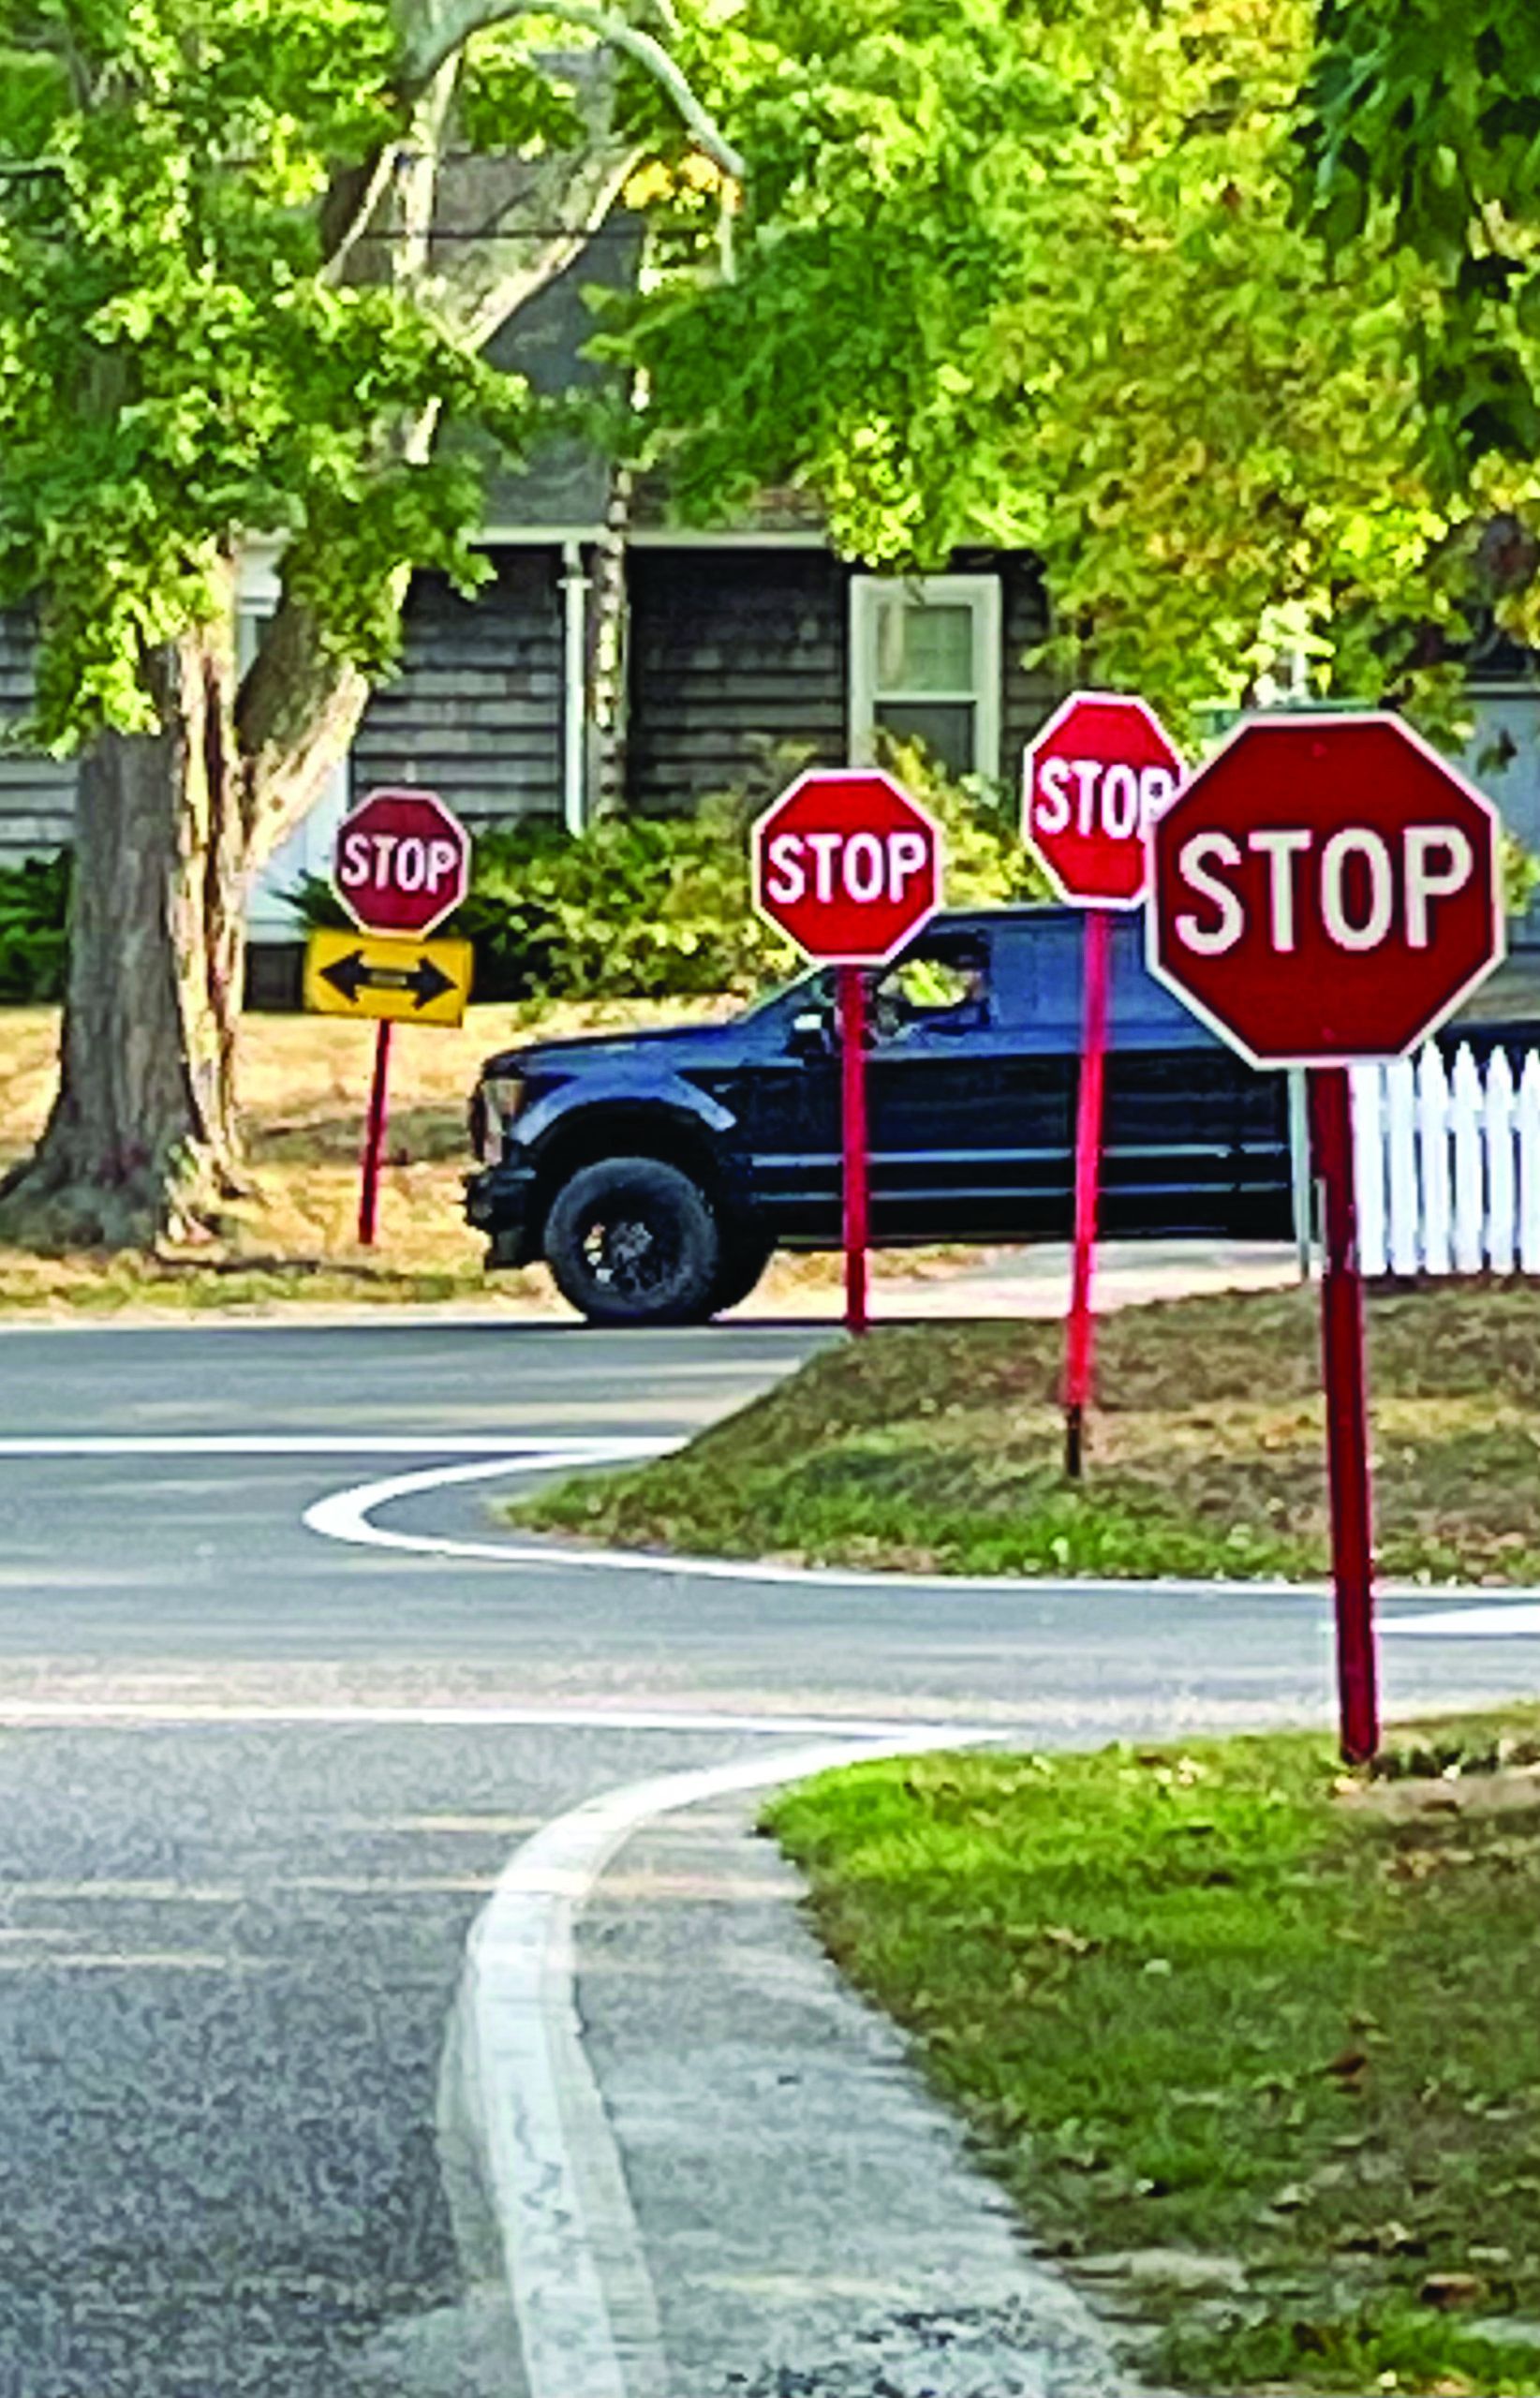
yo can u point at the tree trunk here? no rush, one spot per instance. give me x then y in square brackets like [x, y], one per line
[141, 1141]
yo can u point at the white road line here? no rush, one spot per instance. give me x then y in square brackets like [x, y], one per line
[1507, 1619]
[160, 1714]
[518, 2092]
[347, 1516]
[563, 1450]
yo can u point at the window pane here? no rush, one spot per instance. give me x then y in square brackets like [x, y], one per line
[942, 985]
[921, 647]
[946, 726]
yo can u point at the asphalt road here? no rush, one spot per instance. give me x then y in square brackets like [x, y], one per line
[228, 1946]
[245, 1846]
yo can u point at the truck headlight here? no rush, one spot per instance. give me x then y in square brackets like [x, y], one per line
[498, 1101]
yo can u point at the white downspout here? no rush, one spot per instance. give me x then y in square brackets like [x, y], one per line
[574, 745]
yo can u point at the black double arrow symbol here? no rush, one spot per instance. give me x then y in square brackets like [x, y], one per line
[355, 973]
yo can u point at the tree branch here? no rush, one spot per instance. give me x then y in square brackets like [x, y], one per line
[299, 706]
[58, 42]
[479, 282]
[447, 25]
[296, 714]
[354, 197]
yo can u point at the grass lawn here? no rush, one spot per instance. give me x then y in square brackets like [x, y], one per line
[938, 1447]
[1255, 2044]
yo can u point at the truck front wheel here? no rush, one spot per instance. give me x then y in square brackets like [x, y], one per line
[633, 1241]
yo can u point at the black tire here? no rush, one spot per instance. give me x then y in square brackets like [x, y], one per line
[744, 1257]
[633, 1241]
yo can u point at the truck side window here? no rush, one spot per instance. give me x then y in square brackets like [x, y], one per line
[940, 987]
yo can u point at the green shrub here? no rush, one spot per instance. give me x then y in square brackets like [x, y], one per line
[35, 930]
[659, 907]
[1520, 874]
[636, 908]
[986, 865]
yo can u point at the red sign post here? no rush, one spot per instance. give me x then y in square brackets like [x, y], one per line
[1326, 889]
[848, 868]
[401, 864]
[1092, 778]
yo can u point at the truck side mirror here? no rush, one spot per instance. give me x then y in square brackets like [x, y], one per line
[809, 1036]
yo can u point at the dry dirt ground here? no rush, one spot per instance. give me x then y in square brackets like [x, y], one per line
[304, 1082]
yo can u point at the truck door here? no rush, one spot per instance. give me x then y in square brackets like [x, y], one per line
[1194, 1140]
[940, 1144]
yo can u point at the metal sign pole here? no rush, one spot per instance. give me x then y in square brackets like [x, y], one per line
[373, 1140]
[1347, 1427]
[852, 1085]
[1301, 1183]
[1087, 1177]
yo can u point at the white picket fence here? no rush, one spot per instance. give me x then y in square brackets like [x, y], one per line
[1447, 1165]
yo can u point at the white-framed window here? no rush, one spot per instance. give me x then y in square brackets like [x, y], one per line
[926, 666]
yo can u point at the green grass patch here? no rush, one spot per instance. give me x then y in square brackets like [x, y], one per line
[1224, 2000]
[938, 1448]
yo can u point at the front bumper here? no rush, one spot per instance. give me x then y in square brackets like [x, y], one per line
[499, 1202]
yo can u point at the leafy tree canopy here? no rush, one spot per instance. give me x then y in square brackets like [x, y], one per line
[239, 296]
[1423, 133]
[1032, 277]
[1056, 294]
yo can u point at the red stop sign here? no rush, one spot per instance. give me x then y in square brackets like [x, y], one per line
[1100, 769]
[401, 862]
[846, 865]
[1324, 888]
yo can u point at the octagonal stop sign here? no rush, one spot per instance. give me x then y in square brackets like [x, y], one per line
[1092, 778]
[846, 865]
[401, 862]
[1325, 888]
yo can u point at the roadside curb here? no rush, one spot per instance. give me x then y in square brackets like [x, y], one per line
[535, 2175]
[803, 2214]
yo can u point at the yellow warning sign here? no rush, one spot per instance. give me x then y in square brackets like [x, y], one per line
[384, 974]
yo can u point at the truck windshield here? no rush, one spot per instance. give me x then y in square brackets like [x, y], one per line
[810, 988]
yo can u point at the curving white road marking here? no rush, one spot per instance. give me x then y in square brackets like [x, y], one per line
[348, 1516]
[517, 2094]
[517, 2088]
[345, 1514]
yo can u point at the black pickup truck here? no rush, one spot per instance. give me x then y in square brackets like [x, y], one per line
[657, 1172]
